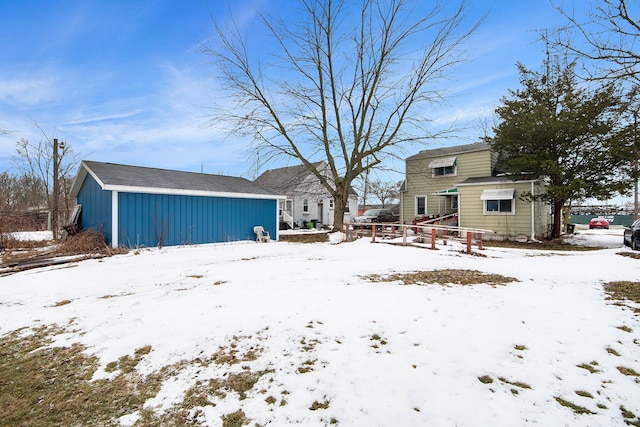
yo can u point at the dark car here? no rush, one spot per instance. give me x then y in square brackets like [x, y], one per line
[632, 235]
[375, 216]
[598, 223]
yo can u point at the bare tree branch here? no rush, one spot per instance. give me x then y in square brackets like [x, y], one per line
[608, 38]
[348, 91]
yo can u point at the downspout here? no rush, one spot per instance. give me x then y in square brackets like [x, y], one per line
[114, 219]
[533, 215]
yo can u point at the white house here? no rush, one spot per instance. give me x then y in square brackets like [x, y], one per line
[308, 201]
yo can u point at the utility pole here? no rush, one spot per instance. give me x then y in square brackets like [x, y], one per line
[56, 187]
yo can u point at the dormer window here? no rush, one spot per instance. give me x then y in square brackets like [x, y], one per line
[445, 166]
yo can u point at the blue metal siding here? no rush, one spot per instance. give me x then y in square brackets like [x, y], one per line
[96, 207]
[166, 220]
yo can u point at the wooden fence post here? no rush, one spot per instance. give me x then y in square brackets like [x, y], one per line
[373, 233]
[433, 238]
[480, 240]
[468, 242]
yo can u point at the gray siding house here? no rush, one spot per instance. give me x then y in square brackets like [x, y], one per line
[307, 200]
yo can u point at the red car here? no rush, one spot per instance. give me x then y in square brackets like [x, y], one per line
[598, 223]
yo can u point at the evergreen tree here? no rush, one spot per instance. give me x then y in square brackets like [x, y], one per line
[567, 135]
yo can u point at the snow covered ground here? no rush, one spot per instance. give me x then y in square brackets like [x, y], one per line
[370, 354]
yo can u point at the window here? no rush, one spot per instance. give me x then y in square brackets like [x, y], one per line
[305, 206]
[443, 167]
[454, 202]
[421, 205]
[498, 206]
[498, 201]
[445, 170]
[330, 203]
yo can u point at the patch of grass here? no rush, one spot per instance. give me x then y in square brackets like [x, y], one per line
[242, 382]
[548, 244]
[515, 383]
[584, 393]
[219, 282]
[378, 338]
[625, 328]
[63, 302]
[575, 408]
[51, 386]
[520, 347]
[485, 379]
[305, 237]
[88, 242]
[444, 277]
[629, 417]
[633, 255]
[271, 400]
[627, 371]
[127, 364]
[307, 367]
[612, 351]
[591, 367]
[309, 346]
[234, 419]
[319, 405]
[623, 290]
[195, 276]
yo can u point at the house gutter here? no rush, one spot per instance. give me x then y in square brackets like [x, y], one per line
[533, 215]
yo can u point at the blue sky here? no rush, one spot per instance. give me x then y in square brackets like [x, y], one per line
[123, 81]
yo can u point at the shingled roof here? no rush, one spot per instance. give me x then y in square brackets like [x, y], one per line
[118, 177]
[450, 151]
[285, 180]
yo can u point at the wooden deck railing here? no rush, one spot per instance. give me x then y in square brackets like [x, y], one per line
[427, 233]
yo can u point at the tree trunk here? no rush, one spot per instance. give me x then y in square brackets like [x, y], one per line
[557, 218]
[338, 215]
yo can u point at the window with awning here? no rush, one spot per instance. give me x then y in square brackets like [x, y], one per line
[443, 166]
[443, 162]
[498, 201]
[501, 194]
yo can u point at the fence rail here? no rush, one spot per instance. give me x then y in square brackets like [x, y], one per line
[419, 232]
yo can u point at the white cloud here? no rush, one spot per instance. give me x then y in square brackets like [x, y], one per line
[27, 92]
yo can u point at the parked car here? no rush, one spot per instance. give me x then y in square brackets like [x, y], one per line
[375, 216]
[598, 223]
[632, 235]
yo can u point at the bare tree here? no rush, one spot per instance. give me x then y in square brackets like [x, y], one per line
[386, 192]
[350, 83]
[608, 38]
[48, 163]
